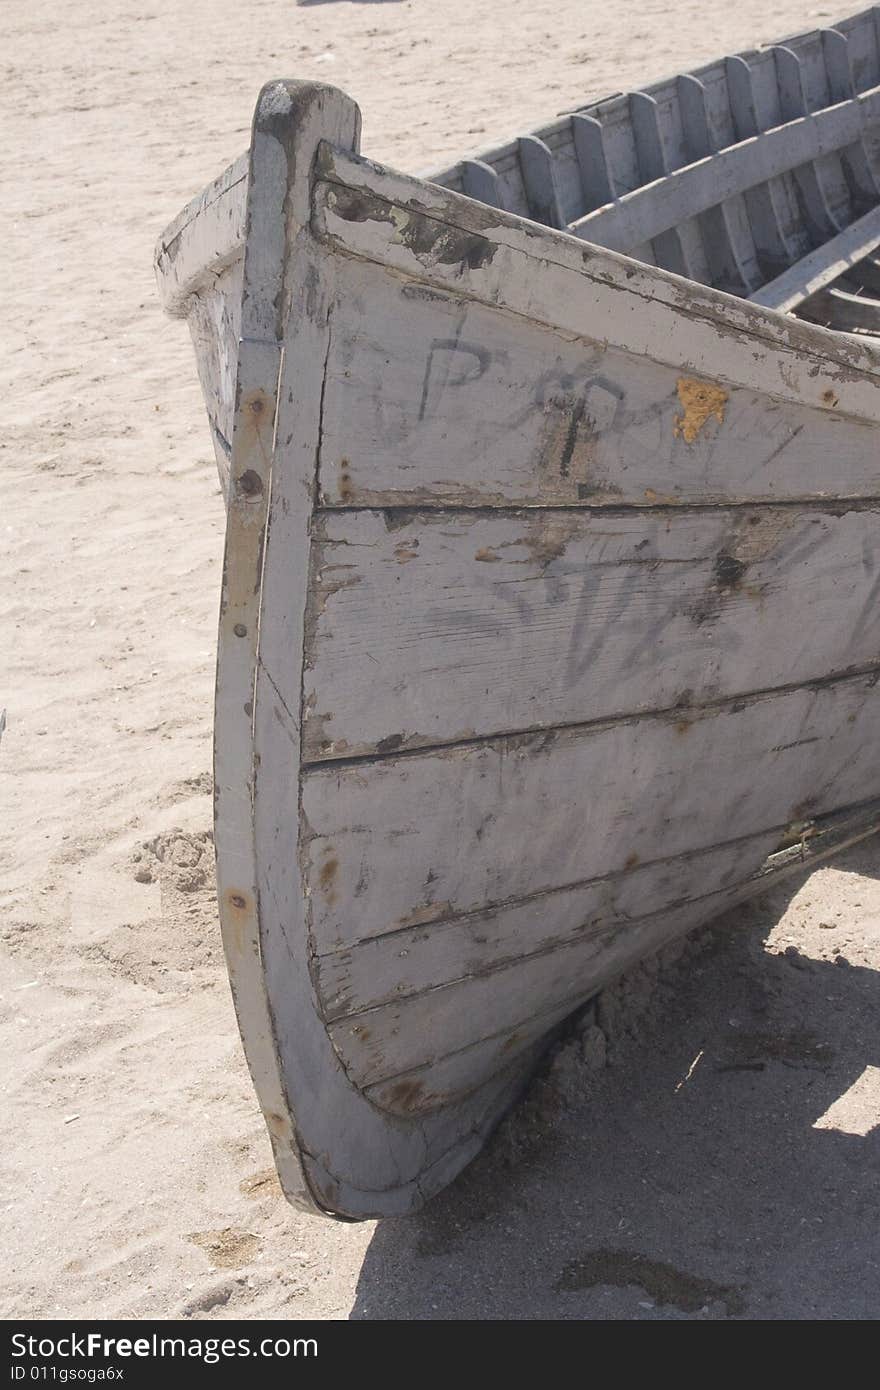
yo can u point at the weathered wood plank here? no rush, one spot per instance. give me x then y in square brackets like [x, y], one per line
[447, 1080]
[414, 838]
[400, 1037]
[556, 618]
[822, 266]
[430, 398]
[407, 963]
[388, 1048]
[400, 964]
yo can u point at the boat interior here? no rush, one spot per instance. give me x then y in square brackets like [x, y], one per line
[758, 175]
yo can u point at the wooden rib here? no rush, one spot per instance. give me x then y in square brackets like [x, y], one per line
[765, 200]
[596, 177]
[729, 248]
[816, 90]
[539, 181]
[815, 207]
[479, 180]
[863, 187]
[823, 266]
[668, 245]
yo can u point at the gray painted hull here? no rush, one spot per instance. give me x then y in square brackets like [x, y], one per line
[549, 623]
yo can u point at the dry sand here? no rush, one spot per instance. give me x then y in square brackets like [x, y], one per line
[725, 1163]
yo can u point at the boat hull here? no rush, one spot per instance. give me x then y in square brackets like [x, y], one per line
[548, 626]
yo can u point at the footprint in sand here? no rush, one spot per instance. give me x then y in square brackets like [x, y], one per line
[229, 1248]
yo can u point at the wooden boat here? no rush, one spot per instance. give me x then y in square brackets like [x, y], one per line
[549, 623]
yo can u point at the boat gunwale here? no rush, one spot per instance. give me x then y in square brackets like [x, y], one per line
[852, 357]
[188, 232]
[175, 242]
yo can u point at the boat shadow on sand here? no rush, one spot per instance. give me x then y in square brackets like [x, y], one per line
[725, 1163]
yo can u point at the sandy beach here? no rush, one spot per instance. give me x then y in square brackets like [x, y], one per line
[724, 1161]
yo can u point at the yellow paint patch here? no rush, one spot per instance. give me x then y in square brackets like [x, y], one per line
[700, 401]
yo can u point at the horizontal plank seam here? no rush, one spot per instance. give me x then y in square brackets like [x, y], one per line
[503, 904]
[511, 962]
[833, 504]
[331, 765]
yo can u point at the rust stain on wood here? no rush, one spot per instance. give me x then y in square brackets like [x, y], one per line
[327, 878]
[405, 1095]
[346, 490]
[238, 917]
